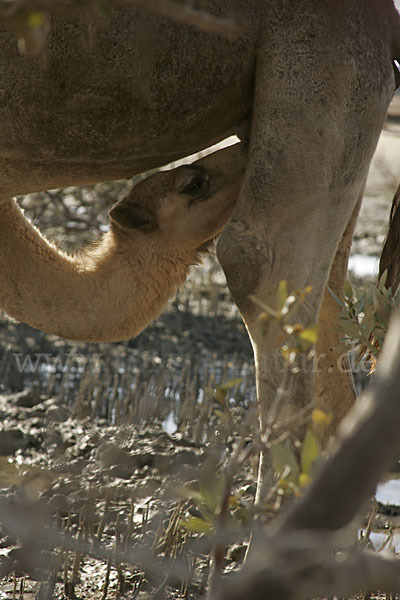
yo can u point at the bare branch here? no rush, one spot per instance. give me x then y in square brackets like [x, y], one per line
[303, 567]
[30, 19]
[354, 470]
[297, 561]
[185, 13]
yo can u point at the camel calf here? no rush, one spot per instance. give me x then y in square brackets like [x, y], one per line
[111, 290]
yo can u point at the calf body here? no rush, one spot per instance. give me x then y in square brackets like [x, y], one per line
[111, 290]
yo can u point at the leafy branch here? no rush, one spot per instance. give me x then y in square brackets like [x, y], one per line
[365, 315]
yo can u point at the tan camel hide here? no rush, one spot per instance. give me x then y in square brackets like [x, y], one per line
[111, 290]
[315, 78]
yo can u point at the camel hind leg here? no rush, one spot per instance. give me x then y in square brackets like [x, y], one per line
[334, 387]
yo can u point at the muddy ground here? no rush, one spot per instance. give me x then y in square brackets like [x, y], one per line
[107, 450]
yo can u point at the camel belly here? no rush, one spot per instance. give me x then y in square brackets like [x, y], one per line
[146, 92]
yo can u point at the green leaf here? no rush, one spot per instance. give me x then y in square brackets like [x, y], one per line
[281, 294]
[368, 322]
[36, 19]
[220, 395]
[211, 489]
[336, 298]
[194, 495]
[376, 298]
[230, 384]
[351, 329]
[310, 334]
[283, 457]
[358, 292]
[348, 290]
[209, 391]
[360, 304]
[383, 279]
[309, 451]
[197, 525]
[222, 416]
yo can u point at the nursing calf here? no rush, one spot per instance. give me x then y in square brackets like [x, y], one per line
[111, 290]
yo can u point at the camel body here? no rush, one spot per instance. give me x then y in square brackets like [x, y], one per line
[112, 289]
[314, 79]
[146, 93]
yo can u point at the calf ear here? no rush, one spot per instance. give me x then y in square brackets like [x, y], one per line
[134, 216]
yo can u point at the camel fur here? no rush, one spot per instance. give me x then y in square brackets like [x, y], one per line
[314, 78]
[113, 289]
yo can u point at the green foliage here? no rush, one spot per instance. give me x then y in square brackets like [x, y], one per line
[213, 496]
[31, 29]
[292, 474]
[198, 525]
[207, 499]
[309, 452]
[365, 314]
[295, 338]
[210, 501]
[285, 463]
[221, 398]
[31, 25]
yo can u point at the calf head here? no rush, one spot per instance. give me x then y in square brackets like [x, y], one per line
[187, 206]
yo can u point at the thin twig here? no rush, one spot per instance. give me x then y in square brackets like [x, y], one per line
[184, 13]
[297, 561]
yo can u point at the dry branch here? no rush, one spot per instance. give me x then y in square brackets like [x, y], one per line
[308, 570]
[30, 19]
[183, 12]
[297, 561]
[370, 442]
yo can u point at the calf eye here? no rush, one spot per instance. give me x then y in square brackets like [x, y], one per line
[194, 187]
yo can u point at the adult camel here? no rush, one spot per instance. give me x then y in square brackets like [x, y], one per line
[312, 78]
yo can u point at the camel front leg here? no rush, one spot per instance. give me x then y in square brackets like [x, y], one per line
[311, 143]
[257, 251]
